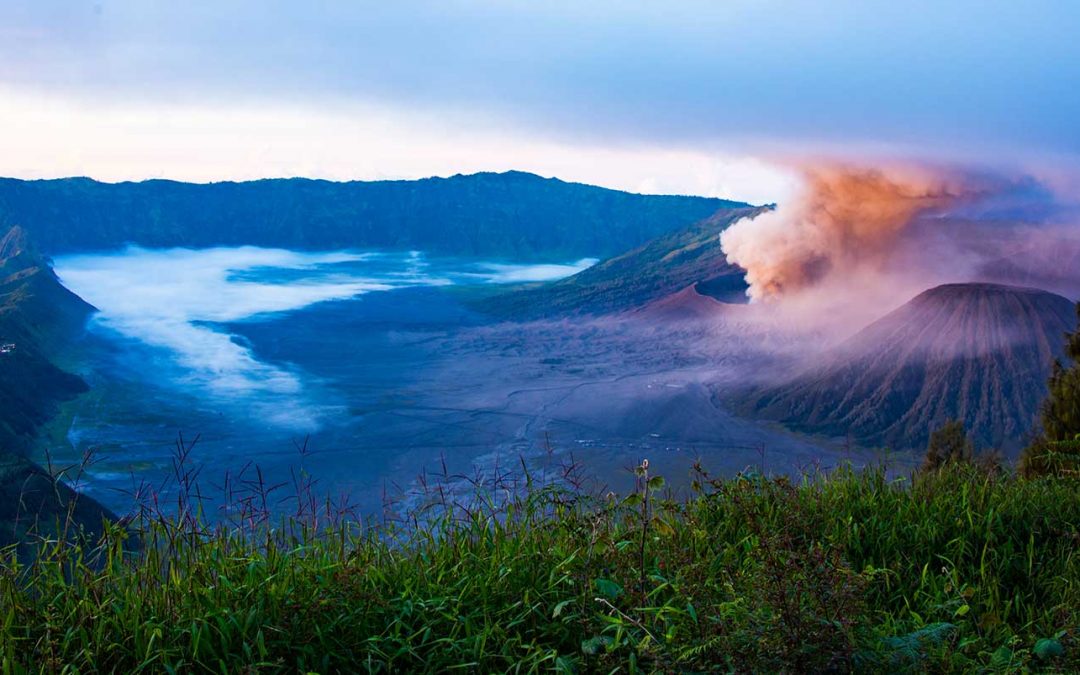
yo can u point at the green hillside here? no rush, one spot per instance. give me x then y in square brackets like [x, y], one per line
[657, 269]
[37, 315]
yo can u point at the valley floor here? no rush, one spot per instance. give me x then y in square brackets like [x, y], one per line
[398, 401]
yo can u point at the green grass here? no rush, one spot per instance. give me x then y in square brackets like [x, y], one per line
[955, 571]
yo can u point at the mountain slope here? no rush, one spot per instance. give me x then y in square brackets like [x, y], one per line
[510, 214]
[689, 304]
[976, 352]
[36, 315]
[659, 268]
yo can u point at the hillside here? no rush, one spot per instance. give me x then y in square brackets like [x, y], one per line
[980, 353]
[662, 267]
[513, 214]
[37, 315]
[691, 304]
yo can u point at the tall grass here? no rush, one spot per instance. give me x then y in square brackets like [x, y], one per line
[952, 571]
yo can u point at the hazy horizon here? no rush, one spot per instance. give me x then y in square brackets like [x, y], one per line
[443, 176]
[694, 98]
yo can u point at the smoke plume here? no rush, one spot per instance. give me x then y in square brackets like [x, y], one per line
[847, 220]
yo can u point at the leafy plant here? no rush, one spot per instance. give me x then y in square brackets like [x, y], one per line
[948, 444]
[1057, 449]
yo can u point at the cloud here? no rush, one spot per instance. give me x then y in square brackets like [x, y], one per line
[51, 136]
[502, 273]
[177, 300]
[846, 218]
[170, 299]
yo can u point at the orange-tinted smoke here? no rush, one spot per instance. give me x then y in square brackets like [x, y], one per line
[846, 219]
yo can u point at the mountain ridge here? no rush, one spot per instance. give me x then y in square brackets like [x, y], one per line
[510, 214]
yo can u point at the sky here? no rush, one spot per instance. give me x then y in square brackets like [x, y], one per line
[713, 98]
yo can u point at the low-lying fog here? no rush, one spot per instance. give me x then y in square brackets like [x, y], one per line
[377, 361]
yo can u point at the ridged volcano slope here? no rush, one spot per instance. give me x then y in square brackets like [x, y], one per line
[980, 353]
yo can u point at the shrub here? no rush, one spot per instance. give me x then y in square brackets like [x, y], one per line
[950, 444]
[1051, 458]
[1055, 450]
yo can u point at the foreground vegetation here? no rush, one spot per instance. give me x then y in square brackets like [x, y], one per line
[957, 569]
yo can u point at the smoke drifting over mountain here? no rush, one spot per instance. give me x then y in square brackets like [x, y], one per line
[845, 219]
[871, 238]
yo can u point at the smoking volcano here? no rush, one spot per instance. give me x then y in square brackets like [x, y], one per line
[856, 244]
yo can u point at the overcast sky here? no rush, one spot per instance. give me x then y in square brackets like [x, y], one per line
[694, 97]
